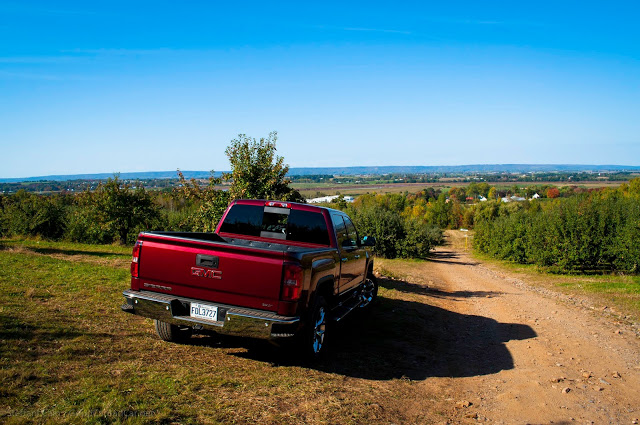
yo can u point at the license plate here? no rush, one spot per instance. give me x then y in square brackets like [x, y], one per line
[204, 311]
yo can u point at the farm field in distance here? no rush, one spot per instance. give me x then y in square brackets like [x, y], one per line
[310, 190]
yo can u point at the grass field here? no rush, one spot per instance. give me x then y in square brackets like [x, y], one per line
[68, 354]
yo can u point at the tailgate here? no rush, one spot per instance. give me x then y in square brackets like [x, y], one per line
[210, 271]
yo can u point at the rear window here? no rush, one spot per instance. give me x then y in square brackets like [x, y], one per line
[276, 223]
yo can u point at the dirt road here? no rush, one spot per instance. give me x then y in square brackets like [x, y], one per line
[505, 353]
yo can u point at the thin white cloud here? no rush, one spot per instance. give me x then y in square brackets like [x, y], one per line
[8, 75]
[28, 76]
[479, 22]
[82, 55]
[37, 59]
[21, 8]
[122, 52]
[388, 31]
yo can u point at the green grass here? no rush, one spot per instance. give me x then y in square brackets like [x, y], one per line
[68, 354]
[70, 248]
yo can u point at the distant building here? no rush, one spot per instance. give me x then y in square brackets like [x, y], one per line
[329, 199]
[514, 198]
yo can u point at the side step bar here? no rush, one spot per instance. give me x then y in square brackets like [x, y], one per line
[346, 307]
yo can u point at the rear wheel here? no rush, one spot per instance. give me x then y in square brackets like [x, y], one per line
[172, 333]
[313, 341]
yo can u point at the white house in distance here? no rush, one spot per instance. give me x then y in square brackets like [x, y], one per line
[328, 199]
[515, 198]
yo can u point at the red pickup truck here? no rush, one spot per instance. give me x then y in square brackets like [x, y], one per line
[271, 270]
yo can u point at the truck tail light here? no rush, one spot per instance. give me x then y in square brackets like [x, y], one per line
[291, 282]
[135, 259]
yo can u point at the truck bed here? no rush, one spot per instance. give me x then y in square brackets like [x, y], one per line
[208, 267]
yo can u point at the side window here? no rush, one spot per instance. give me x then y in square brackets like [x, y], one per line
[340, 229]
[243, 220]
[307, 226]
[351, 231]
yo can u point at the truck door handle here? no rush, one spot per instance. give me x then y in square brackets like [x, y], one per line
[207, 261]
[344, 260]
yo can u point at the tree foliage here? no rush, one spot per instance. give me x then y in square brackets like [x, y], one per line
[397, 223]
[25, 213]
[595, 231]
[114, 212]
[257, 172]
[205, 204]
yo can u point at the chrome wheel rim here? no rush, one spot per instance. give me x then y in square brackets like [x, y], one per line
[367, 293]
[319, 329]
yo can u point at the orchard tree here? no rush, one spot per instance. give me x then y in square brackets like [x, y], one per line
[493, 193]
[211, 202]
[113, 212]
[257, 172]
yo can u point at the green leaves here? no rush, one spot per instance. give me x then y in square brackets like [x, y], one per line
[257, 172]
[113, 212]
[398, 233]
[589, 232]
[206, 203]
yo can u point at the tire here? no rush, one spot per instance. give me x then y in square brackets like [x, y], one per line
[172, 333]
[314, 335]
[369, 291]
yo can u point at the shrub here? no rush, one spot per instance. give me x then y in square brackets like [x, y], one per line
[34, 215]
[587, 232]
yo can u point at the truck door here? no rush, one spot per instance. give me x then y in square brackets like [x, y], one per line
[359, 262]
[352, 257]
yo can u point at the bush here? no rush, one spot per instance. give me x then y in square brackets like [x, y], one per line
[34, 215]
[114, 212]
[397, 233]
[586, 232]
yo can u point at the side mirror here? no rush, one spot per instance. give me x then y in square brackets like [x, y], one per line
[369, 241]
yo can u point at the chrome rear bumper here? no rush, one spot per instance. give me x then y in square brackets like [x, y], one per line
[232, 320]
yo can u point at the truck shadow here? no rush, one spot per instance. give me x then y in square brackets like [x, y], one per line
[449, 257]
[401, 339]
[414, 288]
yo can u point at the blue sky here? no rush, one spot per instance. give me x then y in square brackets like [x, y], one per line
[139, 86]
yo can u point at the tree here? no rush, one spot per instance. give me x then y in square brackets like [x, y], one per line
[209, 201]
[457, 193]
[553, 192]
[114, 211]
[493, 193]
[26, 213]
[257, 172]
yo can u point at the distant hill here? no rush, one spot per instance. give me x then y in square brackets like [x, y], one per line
[452, 169]
[104, 176]
[463, 169]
